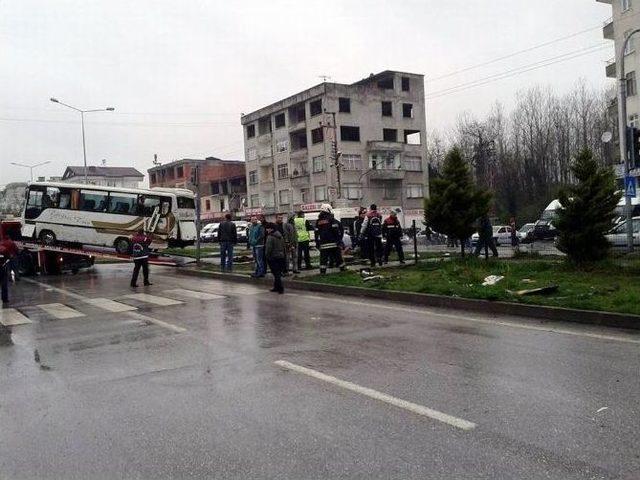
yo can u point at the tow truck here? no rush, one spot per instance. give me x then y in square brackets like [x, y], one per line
[38, 258]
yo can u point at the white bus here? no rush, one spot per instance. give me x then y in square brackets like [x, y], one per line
[108, 216]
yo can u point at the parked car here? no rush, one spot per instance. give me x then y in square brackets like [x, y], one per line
[209, 232]
[542, 230]
[501, 235]
[618, 236]
[242, 228]
[524, 230]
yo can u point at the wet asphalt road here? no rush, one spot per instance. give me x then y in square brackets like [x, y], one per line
[191, 390]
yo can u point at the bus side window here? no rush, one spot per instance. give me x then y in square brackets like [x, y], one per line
[64, 200]
[75, 199]
[150, 204]
[166, 206]
[34, 204]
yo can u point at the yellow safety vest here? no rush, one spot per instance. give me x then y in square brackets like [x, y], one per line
[301, 228]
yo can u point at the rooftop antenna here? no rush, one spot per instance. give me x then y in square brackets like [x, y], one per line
[155, 159]
[324, 78]
[104, 162]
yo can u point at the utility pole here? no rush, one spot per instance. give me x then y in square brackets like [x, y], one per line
[335, 153]
[622, 121]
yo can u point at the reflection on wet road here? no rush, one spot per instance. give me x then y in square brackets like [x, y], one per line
[206, 379]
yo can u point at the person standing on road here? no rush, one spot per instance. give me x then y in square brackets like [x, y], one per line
[8, 251]
[140, 252]
[329, 234]
[275, 254]
[514, 232]
[372, 230]
[392, 231]
[291, 240]
[360, 242]
[227, 238]
[303, 227]
[485, 238]
[255, 241]
[288, 234]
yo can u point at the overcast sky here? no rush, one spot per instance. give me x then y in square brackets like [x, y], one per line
[179, 73]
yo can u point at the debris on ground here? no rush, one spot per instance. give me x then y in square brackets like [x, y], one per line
[602, 409]
[492, 280]
[527, 280]
[374, 277]
[535, 291]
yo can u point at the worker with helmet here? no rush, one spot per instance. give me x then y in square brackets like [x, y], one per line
[329, 234]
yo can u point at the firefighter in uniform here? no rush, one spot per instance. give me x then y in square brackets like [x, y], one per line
[329, 234]
[392, 231]
[303, 227]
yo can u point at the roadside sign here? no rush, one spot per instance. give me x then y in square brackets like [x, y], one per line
[629, 186]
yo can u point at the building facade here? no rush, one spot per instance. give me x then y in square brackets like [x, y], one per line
[223, 184]
[344, 144]
[125, 177]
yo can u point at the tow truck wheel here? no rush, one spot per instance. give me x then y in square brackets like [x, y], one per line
[122, 245]
[47, 237]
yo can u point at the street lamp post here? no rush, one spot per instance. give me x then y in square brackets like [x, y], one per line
[30, 167]
[82, 112]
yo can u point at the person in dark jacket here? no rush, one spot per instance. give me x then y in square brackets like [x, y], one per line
[140, 252]
[372, 231]
[329, 234]
[359, 242]
[227, 237]
[275, 253]
[255, 242]
[8, 251]
[485, 238]
[392, 231]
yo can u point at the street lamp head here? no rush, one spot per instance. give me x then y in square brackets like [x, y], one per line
[110, 109]
[54, 100]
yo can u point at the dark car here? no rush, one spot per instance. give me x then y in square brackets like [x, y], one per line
[542, 230]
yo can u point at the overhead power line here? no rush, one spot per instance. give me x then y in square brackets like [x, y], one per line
[518, 71]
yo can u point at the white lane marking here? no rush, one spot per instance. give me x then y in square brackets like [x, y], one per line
[145, 297]
[181, 292]
[109, 305]
[54, 289]
[10, 317]
[480, 320]
[382, 397]
[60, 311]
[155, 321]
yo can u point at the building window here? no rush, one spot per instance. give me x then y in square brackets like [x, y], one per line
[634, 121]
[625, 5]
[315, 107]
[414, 190]
[412, 137]
[390, 190]
[320, 193]
[407, 110]
[386, 83]
[283, 197]
[283, 171]
[405, 84]
[384, 161]
[304, 195]
[153, 178]
[179, 172]
[252, 154]
[351, 161]
[387, 109]
[389, 135]
[413, 164]
[352, 191]
[253, 177]
[317, 135]
[207, 205]
[631, 84]
[251, 131]
[279, 120]
[349, 134]
[629, 48]
[255, 200]
[282, 145]
[318, 164]
[344, 105]
[215, 188]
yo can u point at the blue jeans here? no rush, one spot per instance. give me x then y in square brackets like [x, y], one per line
[258, 258]
[226, 256]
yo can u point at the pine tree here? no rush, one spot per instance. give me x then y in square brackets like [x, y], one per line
[455, 201]
[587, 211]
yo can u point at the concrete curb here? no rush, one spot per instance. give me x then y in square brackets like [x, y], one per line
[590, 317]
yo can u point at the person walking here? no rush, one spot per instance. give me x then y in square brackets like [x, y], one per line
[361, 243]
[8, 251]
[514, 233]
[291, 241]
[372, 230]
[255, 241]
[303, 227]
[392, 231]
[485, 238]
[227, 238]
[275, 254]
[140, 252]
[329, 234]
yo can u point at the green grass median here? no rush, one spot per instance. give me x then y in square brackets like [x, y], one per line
[612, 286]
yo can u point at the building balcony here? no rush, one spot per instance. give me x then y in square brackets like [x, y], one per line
[608, 31]
[611, 68]
[267, 185]
[300, 180]
[265, 160]
[298, 125]
[299, 154]
[264, 139]
[387, 174]
[378, 145]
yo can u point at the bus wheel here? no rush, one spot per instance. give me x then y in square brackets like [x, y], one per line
[47, 237]
[122, 245]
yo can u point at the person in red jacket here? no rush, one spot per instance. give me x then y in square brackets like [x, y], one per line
[392, 231]
[8, 250]
[140, 252]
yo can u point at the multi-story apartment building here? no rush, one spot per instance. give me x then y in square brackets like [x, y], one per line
[345, 144]
[223, 186]
[625, 19]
